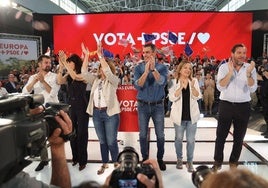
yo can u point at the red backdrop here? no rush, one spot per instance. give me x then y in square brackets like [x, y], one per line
[208, 33]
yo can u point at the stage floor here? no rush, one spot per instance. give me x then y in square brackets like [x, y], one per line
[254, 154]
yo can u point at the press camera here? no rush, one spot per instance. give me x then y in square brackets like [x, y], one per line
[200, 174]
[23, 134]
[125, 176]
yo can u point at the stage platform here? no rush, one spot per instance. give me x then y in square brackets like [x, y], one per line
[254, 154]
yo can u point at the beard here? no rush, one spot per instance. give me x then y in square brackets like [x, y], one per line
[47, 69]
[238, 62]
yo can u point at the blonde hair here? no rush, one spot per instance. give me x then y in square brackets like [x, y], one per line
[177, 73]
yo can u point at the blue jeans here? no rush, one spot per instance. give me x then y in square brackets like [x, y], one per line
[106, 128]
[190, 138]
[156, 112]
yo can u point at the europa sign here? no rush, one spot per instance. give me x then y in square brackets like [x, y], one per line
[21, 47]
[208, 33]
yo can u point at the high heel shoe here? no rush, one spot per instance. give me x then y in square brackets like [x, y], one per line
[74, 163]
[102, 169]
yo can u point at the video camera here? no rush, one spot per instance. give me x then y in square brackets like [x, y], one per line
[200, 174]
[23, 134]
[126, 174]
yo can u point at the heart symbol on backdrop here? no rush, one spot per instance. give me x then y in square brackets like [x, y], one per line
[203, 37]
[25, 52]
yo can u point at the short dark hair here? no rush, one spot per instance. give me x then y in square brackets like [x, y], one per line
[237, 46]
[77, 62]
[151, 45]
[40, 58]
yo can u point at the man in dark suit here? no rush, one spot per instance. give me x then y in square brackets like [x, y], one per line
[12, 86]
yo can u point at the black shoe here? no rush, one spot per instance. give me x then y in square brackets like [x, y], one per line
[41, 165]
[82, 167]
[162, 165]
[266, 136]
[216, 167]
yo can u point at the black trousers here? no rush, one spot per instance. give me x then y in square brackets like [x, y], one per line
[80, 125]
[265, 110]
[238, 115]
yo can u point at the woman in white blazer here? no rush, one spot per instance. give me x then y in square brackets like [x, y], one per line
[185, 113]
[105, 109]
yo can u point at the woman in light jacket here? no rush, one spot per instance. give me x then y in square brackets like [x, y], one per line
[185, 113]
[104, 108]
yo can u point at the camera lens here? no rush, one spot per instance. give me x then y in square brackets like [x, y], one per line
[126, 174]
[199, 175]
[128, 159]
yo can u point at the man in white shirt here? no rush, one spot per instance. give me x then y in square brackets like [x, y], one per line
[235, 80]
[44, 82]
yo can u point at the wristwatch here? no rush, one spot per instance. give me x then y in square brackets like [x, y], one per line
[100, 57]
[153, 70]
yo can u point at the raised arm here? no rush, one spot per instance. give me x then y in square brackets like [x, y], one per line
[60, 78]
[85, 60]
[103, 62]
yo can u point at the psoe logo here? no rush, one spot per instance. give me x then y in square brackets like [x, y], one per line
[111, 39]
[203, 37]
[128, 105]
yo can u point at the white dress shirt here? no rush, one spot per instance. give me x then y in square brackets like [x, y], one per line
[237, 90]
[39, 88]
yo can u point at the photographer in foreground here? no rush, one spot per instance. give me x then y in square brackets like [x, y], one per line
[234, 178]
[148, 183]
[60, 174]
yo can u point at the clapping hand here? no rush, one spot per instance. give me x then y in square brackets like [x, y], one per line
[250, 67]
[84, 49]
[62, 58]
[40, 77]
[152, 62]
[183, 83]
[231, 65]
[99, 49]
